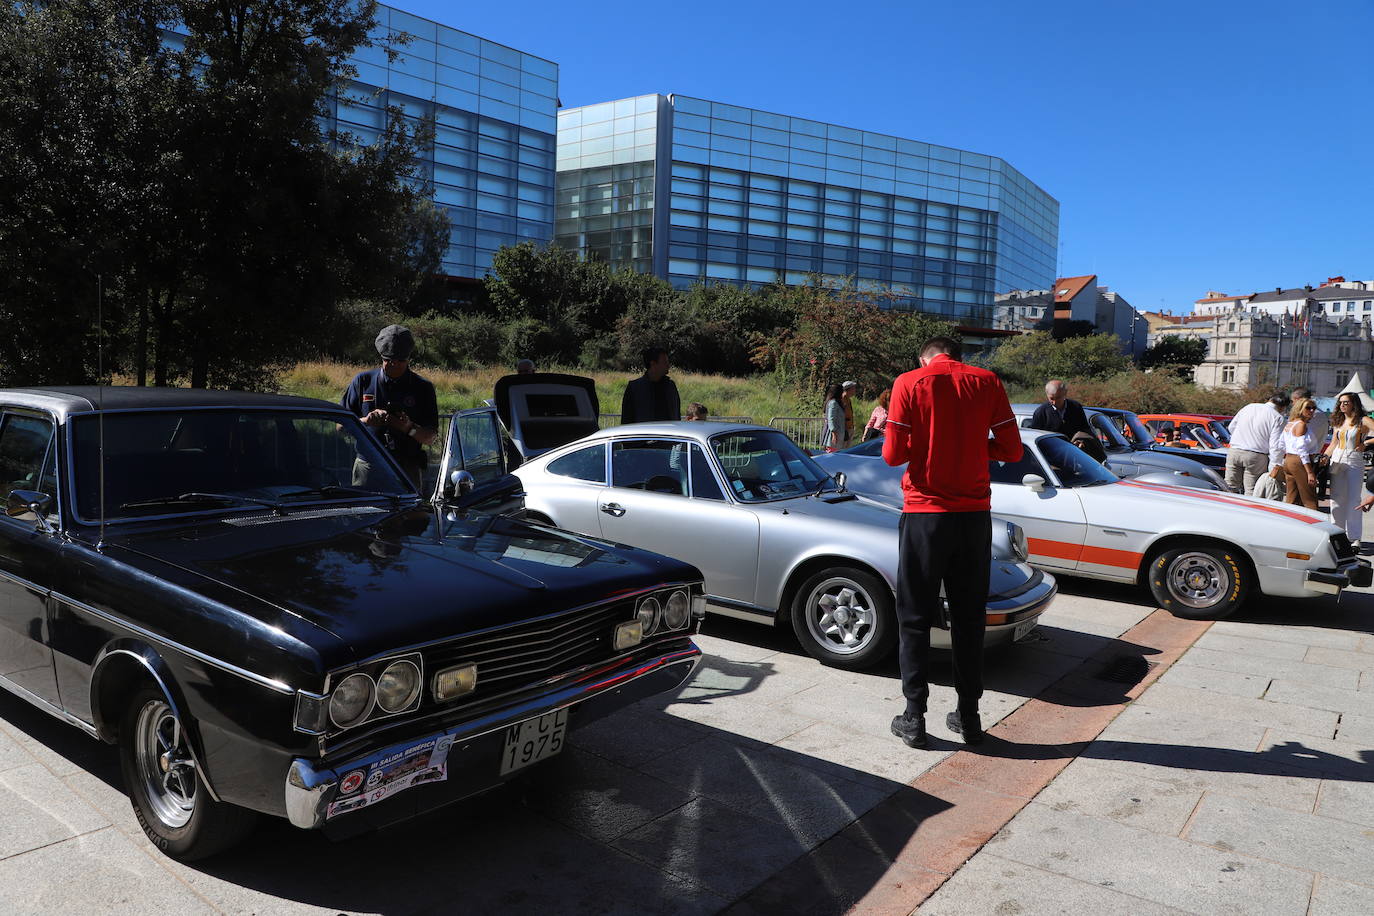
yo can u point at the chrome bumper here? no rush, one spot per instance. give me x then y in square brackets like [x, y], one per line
[312, 784]
[1354, 572]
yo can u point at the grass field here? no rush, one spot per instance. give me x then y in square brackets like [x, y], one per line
[758, 397]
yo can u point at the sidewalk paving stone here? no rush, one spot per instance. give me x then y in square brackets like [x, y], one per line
[1348, 801]
[1332, 699]
[1179, 727]
[1240, 709]
[1334, 897]
[1159, 805]
[654, 733]
[1307, 841]
[880, 755]
[1356, 728]
[1340, 658]
[115, 876]
[12, 754]
[1304, 672]
[1166, 870]
[1324, 757]
[990, 885]
[1231, 683]
[1291, 634]
[39, 811]
[1249, 645]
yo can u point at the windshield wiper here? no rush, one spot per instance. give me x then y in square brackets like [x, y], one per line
[195, 497]
[334, 489]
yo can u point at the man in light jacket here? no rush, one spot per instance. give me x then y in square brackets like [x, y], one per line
[1256, 443]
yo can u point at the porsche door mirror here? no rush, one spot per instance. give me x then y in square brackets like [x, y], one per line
[1033, 482]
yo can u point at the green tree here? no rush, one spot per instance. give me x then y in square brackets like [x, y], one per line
[1035, 358]
[198, 183]
[1181, 354]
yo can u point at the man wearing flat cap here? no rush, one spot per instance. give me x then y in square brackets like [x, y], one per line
[397, 406]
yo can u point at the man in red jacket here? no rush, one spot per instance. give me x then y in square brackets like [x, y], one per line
[945, 422]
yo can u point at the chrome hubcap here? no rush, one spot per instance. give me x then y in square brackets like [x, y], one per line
[165, 764]
[1197, 580]
[840, 616]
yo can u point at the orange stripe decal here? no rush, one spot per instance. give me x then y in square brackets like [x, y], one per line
[1060, 550]
[1225, 499]
[1078, 553]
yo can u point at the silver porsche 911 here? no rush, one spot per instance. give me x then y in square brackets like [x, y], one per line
[778, 539]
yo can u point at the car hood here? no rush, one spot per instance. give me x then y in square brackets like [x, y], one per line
[1194, 503]
[386, 580]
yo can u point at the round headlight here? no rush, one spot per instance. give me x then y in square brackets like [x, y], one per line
[648, 614]
[1020, 547]
[675, 610]
[398, 686]
[351, 701]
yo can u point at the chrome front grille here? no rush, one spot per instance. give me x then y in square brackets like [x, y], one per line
[527, 653]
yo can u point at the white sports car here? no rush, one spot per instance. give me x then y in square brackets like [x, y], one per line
[1200, 552]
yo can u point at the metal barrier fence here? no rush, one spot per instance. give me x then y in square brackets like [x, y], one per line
[805, 431]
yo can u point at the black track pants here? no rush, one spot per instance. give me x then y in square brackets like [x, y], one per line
[953, 548]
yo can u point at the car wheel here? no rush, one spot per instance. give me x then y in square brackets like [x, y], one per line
[166, 789]
[845, 617]
[1199, 581]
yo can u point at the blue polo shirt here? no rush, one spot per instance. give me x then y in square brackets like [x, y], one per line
[409, 393]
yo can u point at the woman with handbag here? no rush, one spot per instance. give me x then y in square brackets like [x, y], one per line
[1351, 430]
[1297, 460]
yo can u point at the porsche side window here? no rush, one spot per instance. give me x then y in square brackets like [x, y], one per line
[481, 447]
[658, 465]
[704, 484]
[584, 464]
[1013, 471]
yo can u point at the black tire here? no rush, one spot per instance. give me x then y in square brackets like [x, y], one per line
[1199, 581]
[169, 797]
[855, 628]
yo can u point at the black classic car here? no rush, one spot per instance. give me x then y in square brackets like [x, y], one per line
[246, 595]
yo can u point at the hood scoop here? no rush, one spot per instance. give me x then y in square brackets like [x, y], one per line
[252, 521]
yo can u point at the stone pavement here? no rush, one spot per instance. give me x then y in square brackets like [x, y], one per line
[770, 784]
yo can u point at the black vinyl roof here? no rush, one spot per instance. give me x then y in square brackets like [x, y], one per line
[76, 399]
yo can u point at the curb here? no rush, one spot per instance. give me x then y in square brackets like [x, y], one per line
[895, 856]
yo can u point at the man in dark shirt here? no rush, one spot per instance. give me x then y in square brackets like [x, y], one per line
[1059, 413]
[652, 396]
[397, 406]
[945, 422]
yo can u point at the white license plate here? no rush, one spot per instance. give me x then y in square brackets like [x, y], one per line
[534, 740]
[1024, 628]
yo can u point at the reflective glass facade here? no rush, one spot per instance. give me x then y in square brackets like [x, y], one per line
[702, 191]
[492, 162]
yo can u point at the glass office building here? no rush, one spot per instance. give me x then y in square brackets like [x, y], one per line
[699, 191]
[495, 123]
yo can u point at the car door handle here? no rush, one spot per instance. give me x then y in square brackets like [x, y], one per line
[615, 509]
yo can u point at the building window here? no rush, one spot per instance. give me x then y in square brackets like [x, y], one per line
[1342, 377]
[1264, 349]
[1229, 348]
[1228, 374]
[1343, 352]
[1368, 303]
[1231, 327]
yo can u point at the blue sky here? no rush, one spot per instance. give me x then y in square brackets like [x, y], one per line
[1199, 145]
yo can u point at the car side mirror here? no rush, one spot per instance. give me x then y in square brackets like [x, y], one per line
[841, 481]
[1033, 482]
[29, 505]
[463, 482]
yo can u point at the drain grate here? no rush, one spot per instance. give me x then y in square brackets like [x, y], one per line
[1125, 669]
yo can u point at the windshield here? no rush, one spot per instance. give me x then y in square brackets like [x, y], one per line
[164, 462]
[1134, 429]
[1073, 466]
[1200, 434]
[1219, 430]
[1107, 434]
[762, 465]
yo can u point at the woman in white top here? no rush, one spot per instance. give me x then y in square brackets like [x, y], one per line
[1297, 463]
[1350, 434]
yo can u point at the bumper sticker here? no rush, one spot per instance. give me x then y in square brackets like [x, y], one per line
[425, 763]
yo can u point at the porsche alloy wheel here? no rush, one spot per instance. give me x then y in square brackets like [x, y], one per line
[165, 786]
[1199, 582]
[845, 618]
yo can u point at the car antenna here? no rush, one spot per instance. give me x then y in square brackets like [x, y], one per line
[100, 399]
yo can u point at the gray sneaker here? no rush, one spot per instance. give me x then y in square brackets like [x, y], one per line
[911, 729]
[969, 726]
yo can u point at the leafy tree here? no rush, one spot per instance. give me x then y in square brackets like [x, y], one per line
[197, 182]
[1182, 354]
[1035, 358]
